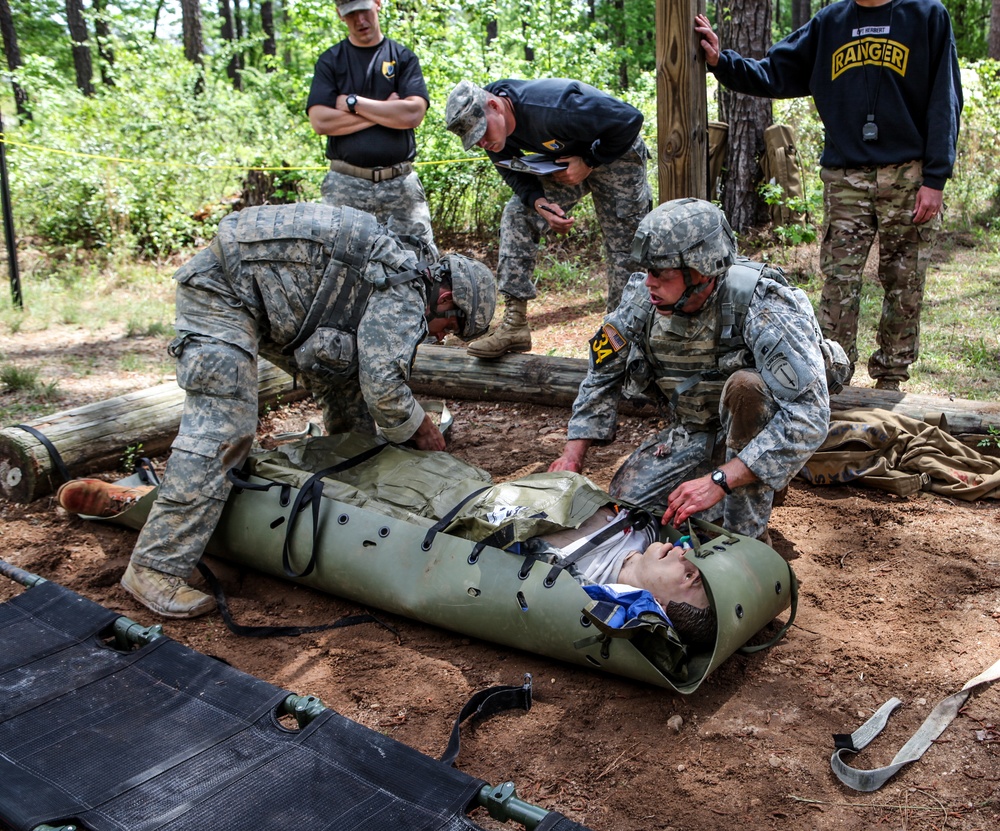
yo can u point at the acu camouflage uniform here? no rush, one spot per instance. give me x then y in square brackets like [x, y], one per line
[759, 390]
[622, 197]
[297, 285]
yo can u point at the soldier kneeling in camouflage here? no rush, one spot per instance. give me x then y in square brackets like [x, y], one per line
[738, 355]
[322, 292]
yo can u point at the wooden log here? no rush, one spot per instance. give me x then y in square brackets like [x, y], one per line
[96, 435]
[543, 379]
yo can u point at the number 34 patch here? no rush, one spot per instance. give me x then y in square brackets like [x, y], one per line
[606, 345]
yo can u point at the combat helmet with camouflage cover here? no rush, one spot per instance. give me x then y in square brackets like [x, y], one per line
[690, 235]
[685, 234]
[474, 290]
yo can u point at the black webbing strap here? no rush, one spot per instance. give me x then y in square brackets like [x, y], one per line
[57, 461]
[500, 538]
[445, 521]
[278, 631]
[143, 468]
[484, 704]
[623, 519]
[310, 494]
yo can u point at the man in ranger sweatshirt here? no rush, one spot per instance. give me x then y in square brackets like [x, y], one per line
[885, 80]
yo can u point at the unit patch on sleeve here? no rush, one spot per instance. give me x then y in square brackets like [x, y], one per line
[606, 344]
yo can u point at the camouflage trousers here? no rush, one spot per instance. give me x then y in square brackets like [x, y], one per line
[622, 197]
[860, 204]
[216, 433]
[219, 423]
[399, 204]
[677, 454]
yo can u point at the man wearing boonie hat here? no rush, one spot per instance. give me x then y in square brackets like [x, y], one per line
[595, 138]
[368, 95]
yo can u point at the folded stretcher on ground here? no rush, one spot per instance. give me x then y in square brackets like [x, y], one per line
[110, 726]
[354, 531]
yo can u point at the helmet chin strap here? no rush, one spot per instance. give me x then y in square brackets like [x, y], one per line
[690, 289]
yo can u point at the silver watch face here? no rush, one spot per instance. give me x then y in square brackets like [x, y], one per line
[719, 478]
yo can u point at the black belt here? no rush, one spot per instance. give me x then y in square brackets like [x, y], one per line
[372, 174]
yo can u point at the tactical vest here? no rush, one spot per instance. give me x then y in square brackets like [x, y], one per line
[303, 270]
[691, 357]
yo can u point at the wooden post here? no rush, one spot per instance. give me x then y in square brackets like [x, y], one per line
[681, 102]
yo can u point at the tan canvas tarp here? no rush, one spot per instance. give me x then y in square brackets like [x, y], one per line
[902, 455]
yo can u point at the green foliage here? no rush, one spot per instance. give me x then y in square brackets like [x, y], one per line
[19, 379]
[992, 439]
[131, 455]
[790, 235]
[169, 145]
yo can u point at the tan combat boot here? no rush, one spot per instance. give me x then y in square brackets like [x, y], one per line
[512, 335]
[166, 594]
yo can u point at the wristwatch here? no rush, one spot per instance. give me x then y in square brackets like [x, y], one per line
[719, 478]
[352, 102]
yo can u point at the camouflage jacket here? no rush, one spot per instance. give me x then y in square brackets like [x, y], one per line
[307, 275]
[779, 337]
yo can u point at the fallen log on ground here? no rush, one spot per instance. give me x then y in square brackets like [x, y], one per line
[96, 435]
[545, 379]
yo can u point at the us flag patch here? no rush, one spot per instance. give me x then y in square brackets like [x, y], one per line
[606, 344]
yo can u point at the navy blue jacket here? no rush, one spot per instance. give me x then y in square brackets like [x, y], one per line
[898, 60]
[559, 117]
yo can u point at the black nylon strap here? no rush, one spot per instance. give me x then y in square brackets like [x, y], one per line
[445, 521]
[310, 494]
[484, 704]
[57, 461]
[613, 527]
[278, 631]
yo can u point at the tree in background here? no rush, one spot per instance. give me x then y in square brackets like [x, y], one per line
[745, 26]
[13, 53]
[270, 44]
[994, 45]
[104, 50]
[194, 45]
[801, 12]
[228, 32]
[81, 46]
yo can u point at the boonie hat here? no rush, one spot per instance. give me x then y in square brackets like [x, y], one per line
[465, 112]
[345, 7]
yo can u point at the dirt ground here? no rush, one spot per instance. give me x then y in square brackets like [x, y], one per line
[900, 597]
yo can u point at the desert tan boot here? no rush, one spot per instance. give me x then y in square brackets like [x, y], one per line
[94, 497]
[512, 335]
[166, 594]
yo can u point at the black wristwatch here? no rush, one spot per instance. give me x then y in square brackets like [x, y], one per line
[352, 102]
[719, 478]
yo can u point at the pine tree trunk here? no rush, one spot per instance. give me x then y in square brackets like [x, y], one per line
[267, 24]
[801, 12]
[10, 47]
[745, 26]
[994, 40]
[104, 50]
[194, 45]
[81, 48]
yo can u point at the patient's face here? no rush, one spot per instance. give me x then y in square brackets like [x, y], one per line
[663, 570]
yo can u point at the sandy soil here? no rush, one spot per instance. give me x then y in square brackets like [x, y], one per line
[900, 597]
